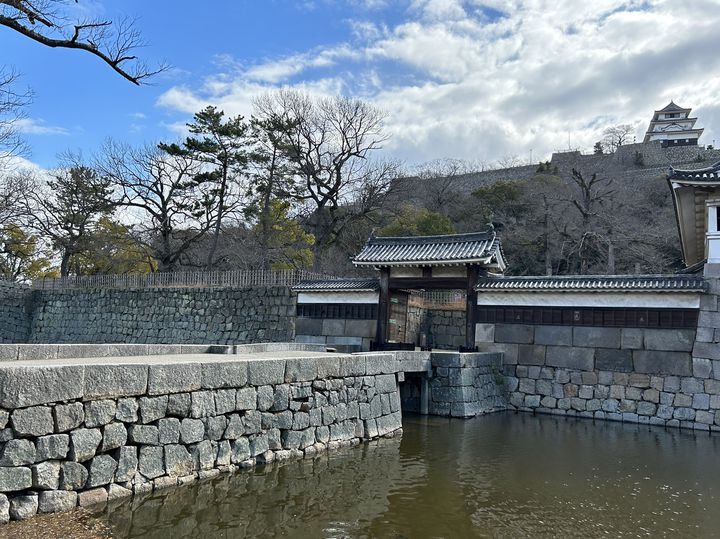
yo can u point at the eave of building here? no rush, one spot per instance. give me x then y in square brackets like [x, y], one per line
[690, 190]
[673, 120]
[593, 284]
[672, 107]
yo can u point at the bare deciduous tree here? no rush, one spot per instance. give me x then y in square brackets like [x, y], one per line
[329, 142]
[617, 135]
[173, 212]
[48, 22]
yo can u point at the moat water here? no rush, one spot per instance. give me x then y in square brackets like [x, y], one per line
[502, 475]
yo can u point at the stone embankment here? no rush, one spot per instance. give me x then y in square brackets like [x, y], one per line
[75, 432]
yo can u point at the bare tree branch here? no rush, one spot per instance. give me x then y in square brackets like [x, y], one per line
[115, 48]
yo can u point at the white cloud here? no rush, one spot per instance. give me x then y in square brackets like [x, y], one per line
[36, 126]
[480, 79]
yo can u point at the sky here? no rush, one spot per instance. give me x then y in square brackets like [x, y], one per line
[464, 79]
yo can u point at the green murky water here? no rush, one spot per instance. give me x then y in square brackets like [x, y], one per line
[502, 475]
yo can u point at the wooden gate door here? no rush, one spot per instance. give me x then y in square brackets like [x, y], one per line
[398, 317]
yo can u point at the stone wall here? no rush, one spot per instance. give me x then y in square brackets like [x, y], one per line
[345, 335]
[625, 374]
[466, 385]
[447, 329]
[15, 300]
[79, 434]
[163, 315]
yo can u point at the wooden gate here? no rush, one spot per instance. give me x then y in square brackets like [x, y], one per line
[398, 317]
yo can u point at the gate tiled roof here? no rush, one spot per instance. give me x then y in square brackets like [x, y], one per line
[456, 249]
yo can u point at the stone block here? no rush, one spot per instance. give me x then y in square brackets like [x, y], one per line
[218, 374]
[191, 431]
[308, 326]
[691, 385]
[385, 383]
[15, 479]
[101, 471]
[333, 327]
[225, 401]
[707, 350]
[151, 462]
[114, 436]
[73, 476]
[103, 381]
[266, 372]
[152, 408]
[202, 404]
[353, 365]
[99, 413]
[35, 421]
[54, 446]
[246, 399]
[672, 340]
[240, 451]
[174, 378]
[360, 328]
[701, 368]
[514, 333]
[24, 506]
[179, 405]
[21, 387]
[597, 337]
[94, 497]
[57, 501]
[300, 370]
[178, 461]
[18, 453]
[484, 333]
[169, 431]
[8, 352]
[127, 410]
[215, 427]
[553, 335]
[143, 434]
[37, 352]
[531, 354]
[607, 359]
[631, 338]
[381, 364]
[659, 362]
[570, 357]
[127, 459]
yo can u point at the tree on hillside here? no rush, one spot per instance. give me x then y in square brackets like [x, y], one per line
[21, 255]
[50, 23]
[67, 209]
[590, 231]
[220, 146]
[329, 143]
[414, 221]
[616, 135]
[598, 148]
[271, 182]
[112, 249]
[174, 210]
[441, 182]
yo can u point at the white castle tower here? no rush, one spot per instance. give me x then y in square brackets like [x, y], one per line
[673, 126]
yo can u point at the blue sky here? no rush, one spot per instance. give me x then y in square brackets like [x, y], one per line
[469, 79]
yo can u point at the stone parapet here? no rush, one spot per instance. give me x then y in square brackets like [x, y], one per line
[77, 432]
[163, 315]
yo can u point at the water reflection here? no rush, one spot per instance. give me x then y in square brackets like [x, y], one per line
[503, 475]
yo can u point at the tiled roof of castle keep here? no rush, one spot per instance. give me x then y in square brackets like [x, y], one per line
[339, 285]
[709, 174]
[474, 248]
[600, 283]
